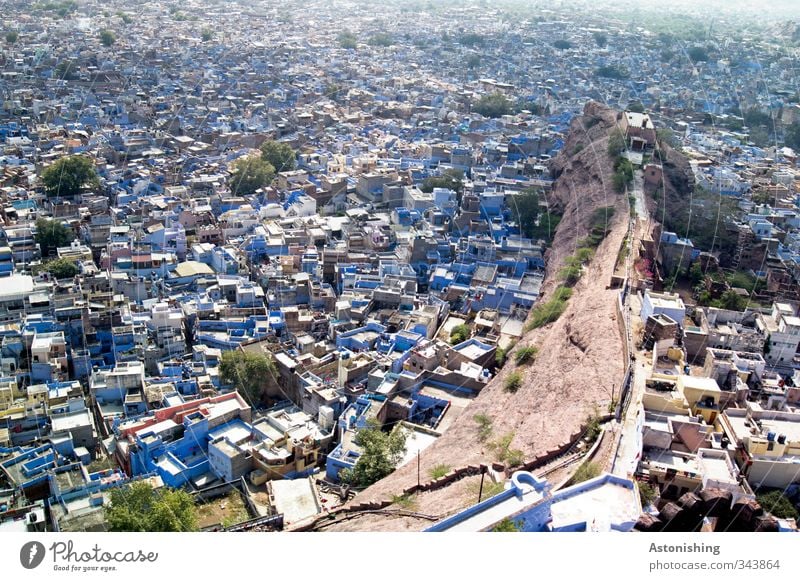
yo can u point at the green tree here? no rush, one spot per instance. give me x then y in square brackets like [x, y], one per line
[562, 44]
[600, 39]
[635, 107]
[107, 37]
[348, 40]
[380, 454]
[206, 35]
[616, 143]
[280, 155]
[696, 273]
[792, 136]
[648, 493]
[451, 179]
[697, 54]
[381, 39]
[140, 508]
[525, 210]
[66, 70]
[11, 37]
[249, 373]
[776, 503]
[69, 175]
[459, 334]
[493, 105]
[507, 526]
[612, 72]
[60, 268]
[52, 234]
[587, 471]
[249, 174]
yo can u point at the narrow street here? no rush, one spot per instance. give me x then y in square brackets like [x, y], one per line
[629, 446]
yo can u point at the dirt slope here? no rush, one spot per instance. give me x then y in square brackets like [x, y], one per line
[580, 355]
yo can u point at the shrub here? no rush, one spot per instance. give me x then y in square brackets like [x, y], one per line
[513, 382]
[593, 428]
[777, 504]
[587, 471]
[484, 426]
[459, 334]
[503, 451]
[648, 493]
[525, 355]
[548, 312]
[500, 356]
[438, 471]
[406, 501]
[507, 526]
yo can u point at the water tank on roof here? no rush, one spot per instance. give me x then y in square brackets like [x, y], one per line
[782, 439]
[770, 436]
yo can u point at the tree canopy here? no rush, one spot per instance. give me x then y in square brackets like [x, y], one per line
[60, 268]
[52, 234]
[69, 175]
[459, 334]
[380, 454]
[279, 155]
[249, 373]
[11, 36]
[525, 210]
[493, 105]
[66, 70]
[140, 508]
[451, 179]
[107, 37]
[249, 174]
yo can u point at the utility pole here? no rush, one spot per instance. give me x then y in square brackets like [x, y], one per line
[418, 468]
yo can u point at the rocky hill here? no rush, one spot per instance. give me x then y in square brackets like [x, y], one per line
[580, 362]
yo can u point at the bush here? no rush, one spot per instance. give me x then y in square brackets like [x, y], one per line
[507, 526]
[776, 503]
[484, 426]
[593, 428]
[438, 471]
[500, 356]
[107, 37]
[548, 312]
[459, 334]
[406, 501]
[503, 451]
[493, 106]
[648, 493]
[525, 355]
[587, 471]
[513, 382]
